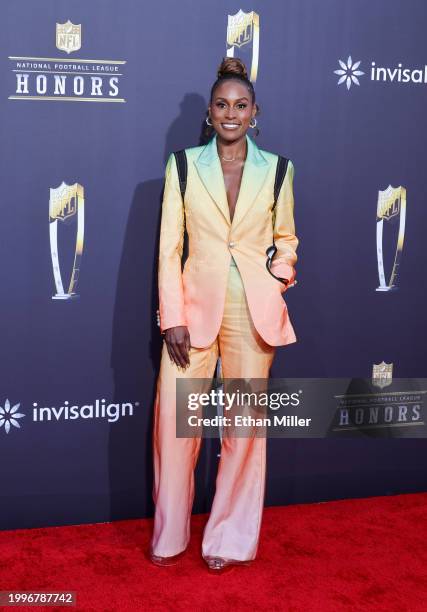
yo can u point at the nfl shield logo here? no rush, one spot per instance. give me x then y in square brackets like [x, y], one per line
[382, 374]
[388, 204]
[240, 28]
[68, 36]
[63, 201]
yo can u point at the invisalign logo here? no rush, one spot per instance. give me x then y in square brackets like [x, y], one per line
[99, 409]
[349, 73]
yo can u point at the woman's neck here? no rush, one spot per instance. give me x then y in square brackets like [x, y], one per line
[232, 150]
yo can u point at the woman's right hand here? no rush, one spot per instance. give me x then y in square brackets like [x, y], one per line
[178, 344]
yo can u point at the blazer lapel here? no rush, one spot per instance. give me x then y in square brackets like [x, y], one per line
[254, 175]
[209, 168]
[255, 172]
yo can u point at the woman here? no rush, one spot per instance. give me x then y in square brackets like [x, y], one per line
[224, 303]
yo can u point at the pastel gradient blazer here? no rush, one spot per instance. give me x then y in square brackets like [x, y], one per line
[195, 296]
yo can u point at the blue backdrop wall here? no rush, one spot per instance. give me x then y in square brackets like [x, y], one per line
[99, 107]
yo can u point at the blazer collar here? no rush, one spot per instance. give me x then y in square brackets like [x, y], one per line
[255, 172]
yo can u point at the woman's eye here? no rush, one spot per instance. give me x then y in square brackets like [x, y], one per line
[240, 105]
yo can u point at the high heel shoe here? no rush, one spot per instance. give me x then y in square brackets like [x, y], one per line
[165, 561]
[220, 565]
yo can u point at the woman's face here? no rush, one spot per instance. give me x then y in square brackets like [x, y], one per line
[231, 110]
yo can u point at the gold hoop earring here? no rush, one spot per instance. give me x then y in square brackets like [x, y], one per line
[207, 121]
[252, 125]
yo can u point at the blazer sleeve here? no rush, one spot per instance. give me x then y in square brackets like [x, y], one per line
[171, 291]
[284, 230]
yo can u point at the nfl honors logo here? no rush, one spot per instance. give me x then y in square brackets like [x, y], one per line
[68, 36]
[382, 374]
[68, 79]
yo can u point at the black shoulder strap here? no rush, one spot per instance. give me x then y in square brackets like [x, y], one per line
[182, 167]
[282, 166]
[181, 164]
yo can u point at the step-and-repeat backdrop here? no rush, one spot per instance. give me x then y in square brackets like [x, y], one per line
[94, 97]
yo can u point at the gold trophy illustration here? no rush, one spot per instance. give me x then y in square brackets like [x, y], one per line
[66, 207]
[391, 208]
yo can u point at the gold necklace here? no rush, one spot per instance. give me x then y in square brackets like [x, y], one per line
[227, 159]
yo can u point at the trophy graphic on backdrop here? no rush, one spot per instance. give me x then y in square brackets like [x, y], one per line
[66, 207]
[391, 208]
[243, 29]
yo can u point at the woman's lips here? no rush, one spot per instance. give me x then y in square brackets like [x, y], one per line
[230, 126]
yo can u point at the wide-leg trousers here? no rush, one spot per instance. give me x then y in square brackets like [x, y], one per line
[232, 530]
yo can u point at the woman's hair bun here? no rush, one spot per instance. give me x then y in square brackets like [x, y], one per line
[232, 65]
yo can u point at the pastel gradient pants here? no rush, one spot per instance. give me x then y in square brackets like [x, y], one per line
[232, 530]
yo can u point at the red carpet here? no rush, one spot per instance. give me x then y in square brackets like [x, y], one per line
[363, 554]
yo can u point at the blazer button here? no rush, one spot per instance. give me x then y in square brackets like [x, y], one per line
[231, 244]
